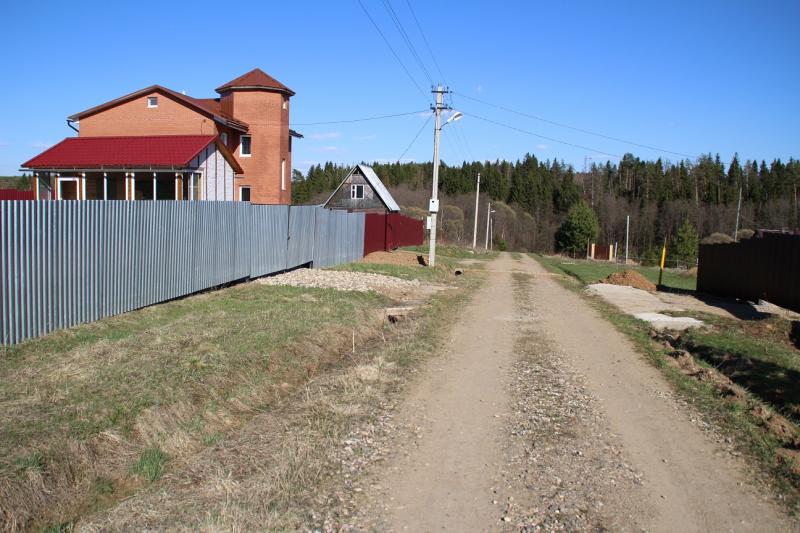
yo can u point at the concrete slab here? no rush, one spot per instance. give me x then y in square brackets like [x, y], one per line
[662, 321]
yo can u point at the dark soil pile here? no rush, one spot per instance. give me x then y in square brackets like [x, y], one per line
[630, 278]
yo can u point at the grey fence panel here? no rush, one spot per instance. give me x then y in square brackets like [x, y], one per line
[302, 221]
[339, 237]
[66, 262]
[267, 239]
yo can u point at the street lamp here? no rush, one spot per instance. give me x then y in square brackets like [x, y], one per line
[489, 212]
[433, 208]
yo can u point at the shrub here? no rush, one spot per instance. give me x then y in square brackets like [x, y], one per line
[684, 247]
[578, 229]
[717, 238]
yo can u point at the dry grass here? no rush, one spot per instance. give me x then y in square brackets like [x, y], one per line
[281, 472]
[91, 415]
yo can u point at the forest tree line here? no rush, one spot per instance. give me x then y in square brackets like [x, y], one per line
[532, 197]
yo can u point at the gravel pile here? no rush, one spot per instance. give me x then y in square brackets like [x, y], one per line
[340, 280]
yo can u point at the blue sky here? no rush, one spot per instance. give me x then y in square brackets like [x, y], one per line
[689, 77]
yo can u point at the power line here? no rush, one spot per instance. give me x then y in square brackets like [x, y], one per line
[457, 152]
[520, 130]
[425, 40]
[414, 139]
[589, 132]
[406, 38]
[397, 57]
[463, 137]
[379, 117]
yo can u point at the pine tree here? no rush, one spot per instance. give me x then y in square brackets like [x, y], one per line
[580, 227]
[684, 247]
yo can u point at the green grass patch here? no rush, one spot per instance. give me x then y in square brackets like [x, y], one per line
[443, 272]
[453, 252]
[756, 354]
[34, 461]
[151, 464]
[589, 272]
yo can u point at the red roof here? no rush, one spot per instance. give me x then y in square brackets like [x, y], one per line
[160, 151]
[256, 78]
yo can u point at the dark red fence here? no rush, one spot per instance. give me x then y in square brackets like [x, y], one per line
[764, 267]
[390, 231]
[15, 194]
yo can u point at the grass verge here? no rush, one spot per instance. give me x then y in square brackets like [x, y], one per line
[589, 272]
[736, 417]
[297, 465]
[92, 416]
[97, 401]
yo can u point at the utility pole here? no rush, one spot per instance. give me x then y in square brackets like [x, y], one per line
[488, 216]
[627, 232]
[439, 91]
[738, 210]
[475, 228]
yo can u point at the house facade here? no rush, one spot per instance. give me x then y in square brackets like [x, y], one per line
[146, 145]
[362, 191]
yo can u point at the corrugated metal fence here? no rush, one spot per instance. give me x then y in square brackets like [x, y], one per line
[15, 194]
[390, 231]
[765, 267]
[64, 263]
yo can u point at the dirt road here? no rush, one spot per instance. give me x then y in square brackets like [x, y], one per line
[541, 414]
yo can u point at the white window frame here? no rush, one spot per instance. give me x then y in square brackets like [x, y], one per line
[150, 100]
[77, 181]
[249, 188]
[191, 186]
[283, 174]
[241, 144]
[353, 191]
[223, 137]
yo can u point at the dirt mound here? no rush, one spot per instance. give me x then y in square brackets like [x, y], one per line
[631, 278]
[397, 257]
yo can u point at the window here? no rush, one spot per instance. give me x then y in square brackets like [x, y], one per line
[224, 138]
[152, 101]
[285, 103]
[356, 192]
[244, 194]
[283, 174]
[244, 146]
[196, 186]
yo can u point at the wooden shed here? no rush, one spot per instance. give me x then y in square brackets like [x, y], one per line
[362, 191]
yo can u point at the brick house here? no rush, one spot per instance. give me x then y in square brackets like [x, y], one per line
[159, 144]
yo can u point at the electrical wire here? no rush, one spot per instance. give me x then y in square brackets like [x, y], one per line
[425, 40]
[414, 139]
[588, 132]
[399, 25]
[397, 57]
[348, 121]
[520, 130]
[457, 152]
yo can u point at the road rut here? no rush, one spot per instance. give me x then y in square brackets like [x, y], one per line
[449, 474]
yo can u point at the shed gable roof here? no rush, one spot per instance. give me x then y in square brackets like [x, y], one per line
[375, 182]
